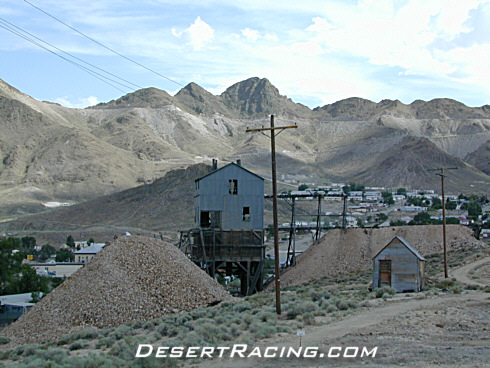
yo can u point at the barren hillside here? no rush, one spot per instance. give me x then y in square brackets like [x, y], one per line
[49, 153]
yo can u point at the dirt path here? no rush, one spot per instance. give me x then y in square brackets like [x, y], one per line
[380, 320]
[462, 273]
[326, 336]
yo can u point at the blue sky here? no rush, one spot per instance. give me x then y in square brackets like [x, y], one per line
[315, 52]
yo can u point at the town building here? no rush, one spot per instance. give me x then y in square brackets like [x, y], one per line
[86, 254]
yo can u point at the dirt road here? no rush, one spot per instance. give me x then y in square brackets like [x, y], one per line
[411, 330]
[463, 273]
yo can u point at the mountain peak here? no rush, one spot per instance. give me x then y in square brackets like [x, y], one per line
[146, 97]
[257, 96]
[196, 99]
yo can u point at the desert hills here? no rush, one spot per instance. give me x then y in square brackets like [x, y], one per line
[49, 153]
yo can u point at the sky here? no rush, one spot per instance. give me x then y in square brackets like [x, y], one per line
[314, 52]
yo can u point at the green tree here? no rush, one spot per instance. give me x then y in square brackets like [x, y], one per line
[422, 218]
[28, 242]
[451, 205]
[474, 210]
[387, 198]
[401, 191]
[452, 221]
[436, 203]
[70, 241]
[90, 241]
[29, 281]
[14, 277]
[46, 252]
[64, 255]
[303, 187]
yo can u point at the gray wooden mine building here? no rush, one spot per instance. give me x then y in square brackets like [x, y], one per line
[228, 237]
[400, 266]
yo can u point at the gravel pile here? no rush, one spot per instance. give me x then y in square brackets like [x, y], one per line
[338, 252]
[131, 279]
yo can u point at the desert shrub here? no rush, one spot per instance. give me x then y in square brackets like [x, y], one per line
[137, 324]
[99, 361]
[34, 354]
[247, 318]
[309, 318]
[235, 330]
[379, 292]
[150, 324]
[299, 308]
[77, 345]
[213, 333]
[4, 340]
[88, 333]
[263, 330]
[329, 307]
[191, 339]
[122, 331]
[152, 362]
[105, 341]
[242, 307]
[24, 350]
[265, 316]
[122, 349]
[445, 284]
[457, 290]
[343, 305]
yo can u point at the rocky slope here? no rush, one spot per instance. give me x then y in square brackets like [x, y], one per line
[49, 153]
[143, 279]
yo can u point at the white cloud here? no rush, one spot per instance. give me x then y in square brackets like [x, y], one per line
[271, 37]
[197, 35]
[80, 104]
[250, 34]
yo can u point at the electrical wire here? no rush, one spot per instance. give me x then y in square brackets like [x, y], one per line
[93, 73]
[10, 25]
[102, 45]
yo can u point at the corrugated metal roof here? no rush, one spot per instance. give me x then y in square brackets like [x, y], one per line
[92, 249]
[231, 163]
[405, 243]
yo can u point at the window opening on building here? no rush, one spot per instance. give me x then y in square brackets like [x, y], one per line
[233, 186]
[246, 214]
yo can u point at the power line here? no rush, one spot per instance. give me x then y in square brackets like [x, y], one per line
[102, 45]
[93, 73]
[10, 25]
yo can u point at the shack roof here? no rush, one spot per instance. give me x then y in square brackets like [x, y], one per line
[406, 244]
[230, 164]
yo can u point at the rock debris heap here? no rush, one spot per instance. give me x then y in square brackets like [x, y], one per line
[341, 252]
[131, 279]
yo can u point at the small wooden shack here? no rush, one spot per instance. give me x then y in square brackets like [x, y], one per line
[400, 266]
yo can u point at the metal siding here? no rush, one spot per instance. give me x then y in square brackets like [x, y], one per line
[405, 270]
[213, 195]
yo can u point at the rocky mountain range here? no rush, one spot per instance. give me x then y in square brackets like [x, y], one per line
[51, 155]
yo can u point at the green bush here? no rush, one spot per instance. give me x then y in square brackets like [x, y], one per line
[445, 284]
[379, 292]
[299, 308]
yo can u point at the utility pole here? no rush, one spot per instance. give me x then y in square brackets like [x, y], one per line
[273, 135]
[441, 174]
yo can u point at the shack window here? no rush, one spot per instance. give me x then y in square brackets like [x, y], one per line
[233, 186]
[246, 214]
